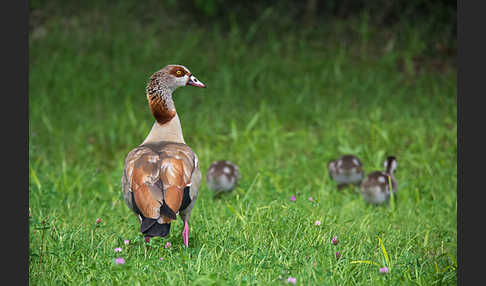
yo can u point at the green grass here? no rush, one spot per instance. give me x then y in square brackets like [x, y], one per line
[280, 105]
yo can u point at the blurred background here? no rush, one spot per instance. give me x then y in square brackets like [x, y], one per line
[385, 25]
[290, 86]
[90, 60]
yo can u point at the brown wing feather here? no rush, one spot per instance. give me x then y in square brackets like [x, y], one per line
[176, 169]
[145, 184]
[157, 175]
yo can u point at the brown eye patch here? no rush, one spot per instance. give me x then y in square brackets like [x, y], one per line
[178, 72]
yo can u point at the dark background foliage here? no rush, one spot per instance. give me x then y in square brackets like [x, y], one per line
[375, 22]
[437, 16]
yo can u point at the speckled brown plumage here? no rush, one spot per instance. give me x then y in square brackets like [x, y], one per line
[346, 170]
[375, 188]
[158, 174]
[162, 108]
[222, 176]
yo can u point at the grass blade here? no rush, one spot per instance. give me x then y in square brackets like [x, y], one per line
[387, 260]
[365, 262]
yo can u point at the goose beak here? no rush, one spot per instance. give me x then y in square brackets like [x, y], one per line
[192, 80]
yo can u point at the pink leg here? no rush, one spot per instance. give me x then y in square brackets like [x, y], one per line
[185, 234]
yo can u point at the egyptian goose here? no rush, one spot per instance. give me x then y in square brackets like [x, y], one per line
[222, 176]
[161, 177]
[347, 169]
[375, 188]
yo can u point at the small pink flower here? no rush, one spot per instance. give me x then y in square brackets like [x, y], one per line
[161, 258]
[338, 255]
[168, 244]
[118, 249]
[310, 199]
[147, 239]
[384, 270]
[335, 240]
[318, 222]
[126, 241]
[292, 280]
[119, 260]
[293, 198]
[98, 220]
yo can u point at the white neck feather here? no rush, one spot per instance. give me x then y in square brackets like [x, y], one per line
[170, 131]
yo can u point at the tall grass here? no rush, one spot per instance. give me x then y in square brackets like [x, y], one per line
[280, 104]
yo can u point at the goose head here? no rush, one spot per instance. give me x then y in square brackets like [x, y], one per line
[171, 77]
[390, 164]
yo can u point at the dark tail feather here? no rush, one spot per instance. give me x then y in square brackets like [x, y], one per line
[168, 212]
[186, 198]
[150, 227]
[147, 223]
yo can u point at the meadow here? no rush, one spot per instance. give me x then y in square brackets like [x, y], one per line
[278, 104]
